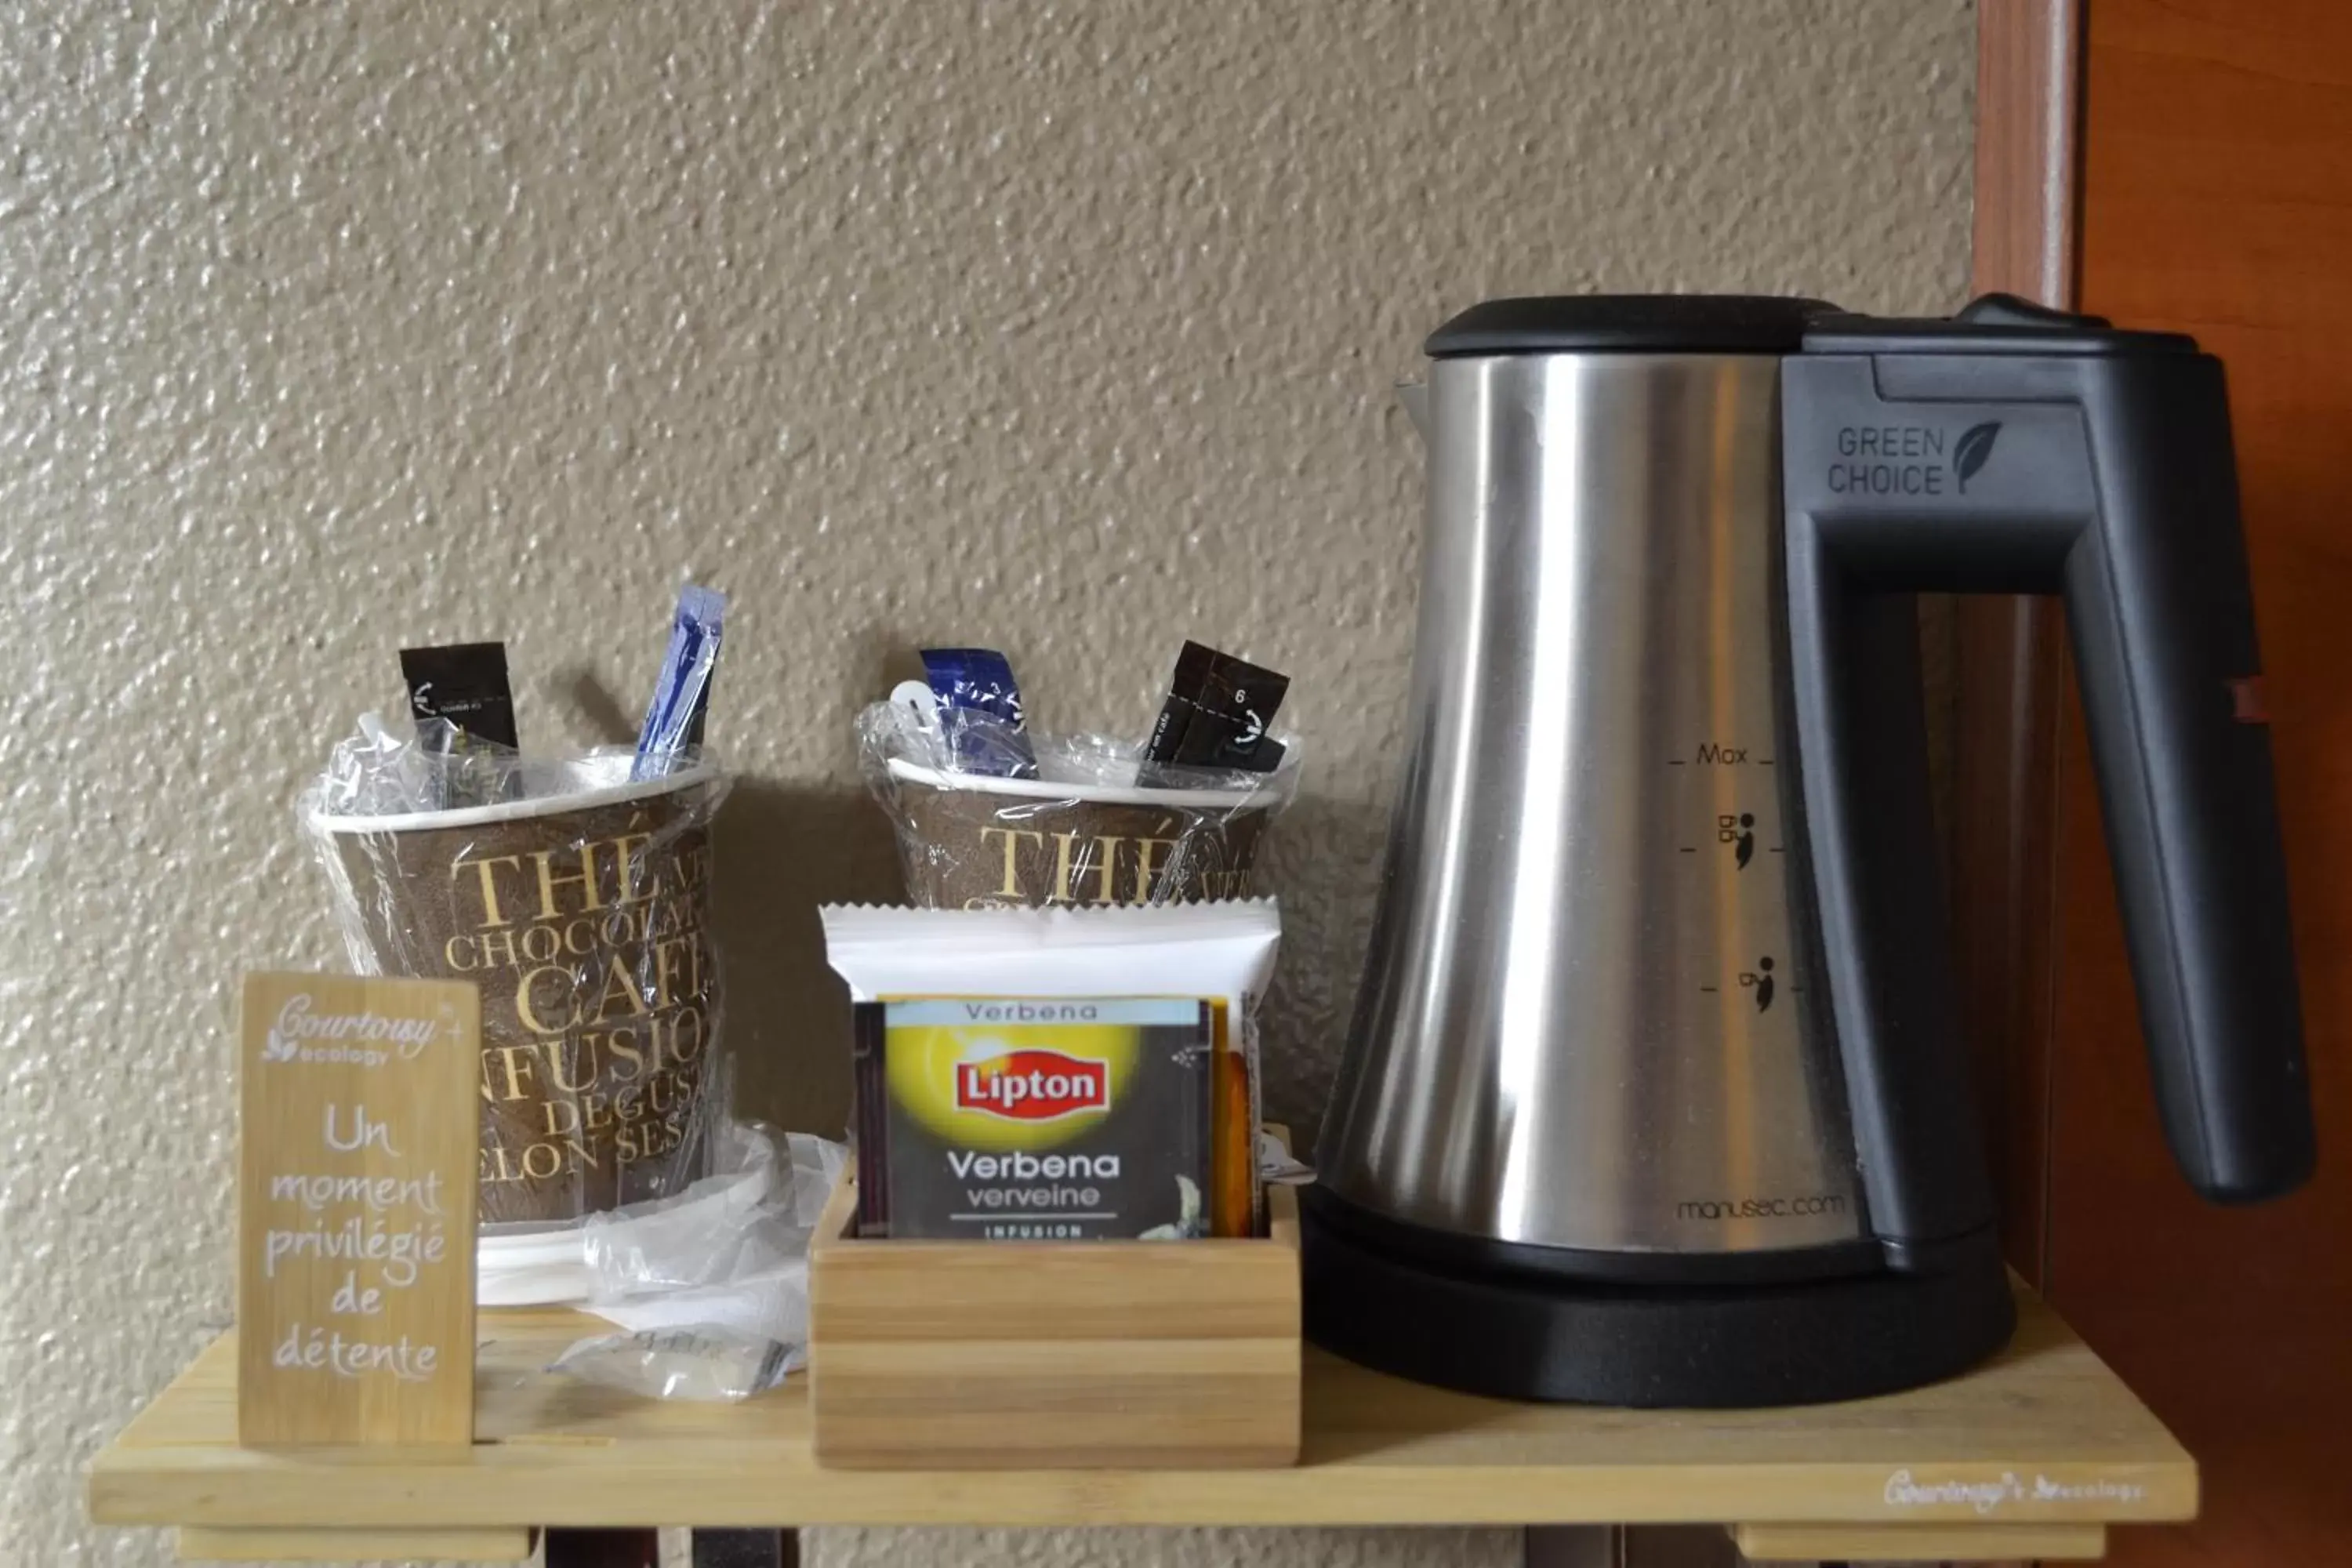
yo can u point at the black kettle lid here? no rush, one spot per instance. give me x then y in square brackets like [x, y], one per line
[1630, 323]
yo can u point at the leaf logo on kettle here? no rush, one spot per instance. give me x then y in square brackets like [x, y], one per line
[1973, 448]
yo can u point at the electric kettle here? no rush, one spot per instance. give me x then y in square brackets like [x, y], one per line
[1655, 1092]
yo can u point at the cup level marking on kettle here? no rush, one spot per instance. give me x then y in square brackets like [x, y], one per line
[1716, 754]
[1736, 831]
[1760, 982]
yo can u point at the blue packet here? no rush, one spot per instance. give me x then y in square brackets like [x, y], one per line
[682, 695]
[979, 711]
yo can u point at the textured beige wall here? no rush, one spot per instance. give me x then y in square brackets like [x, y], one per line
[1068, 328]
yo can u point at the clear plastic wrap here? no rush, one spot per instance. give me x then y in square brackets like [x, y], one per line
[1094, 824]
[709, 1287]
[715, 1365]
[577, 897]
[731, 1251]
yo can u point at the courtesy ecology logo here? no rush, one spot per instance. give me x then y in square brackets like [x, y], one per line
[1032, 1086]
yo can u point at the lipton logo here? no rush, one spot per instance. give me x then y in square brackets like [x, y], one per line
[1032, 1086]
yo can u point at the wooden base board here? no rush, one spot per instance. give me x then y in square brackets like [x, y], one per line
[1919, 1542]
[2043, 1424]
[242, 1543]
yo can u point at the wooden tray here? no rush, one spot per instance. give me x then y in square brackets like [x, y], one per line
[1054, 1355]
[2041, 1438]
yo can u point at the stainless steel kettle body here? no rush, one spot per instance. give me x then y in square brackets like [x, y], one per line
[1657, 1091]
[1588, 1020]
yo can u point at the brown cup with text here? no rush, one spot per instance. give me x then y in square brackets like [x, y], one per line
[584, 917]
[970, 841]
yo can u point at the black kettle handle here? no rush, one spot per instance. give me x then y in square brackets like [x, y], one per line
[2097, 465]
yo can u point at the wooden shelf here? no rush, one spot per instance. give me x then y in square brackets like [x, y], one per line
[2042, 1436]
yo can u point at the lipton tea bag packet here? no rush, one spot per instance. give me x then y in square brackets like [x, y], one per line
[1038, 1118]
[1057, 1074]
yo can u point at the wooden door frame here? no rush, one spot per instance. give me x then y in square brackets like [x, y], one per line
[2010, 658]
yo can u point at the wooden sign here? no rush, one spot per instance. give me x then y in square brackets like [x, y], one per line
[356, 1181]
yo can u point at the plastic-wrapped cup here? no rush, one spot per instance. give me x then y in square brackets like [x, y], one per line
[582, 914]
[976, 841]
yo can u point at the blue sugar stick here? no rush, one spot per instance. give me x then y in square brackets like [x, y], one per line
[682, 696]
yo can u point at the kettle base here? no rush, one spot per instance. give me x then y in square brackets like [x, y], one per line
[1520, 1336]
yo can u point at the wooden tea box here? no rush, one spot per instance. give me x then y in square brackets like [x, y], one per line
[1054, 1355]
